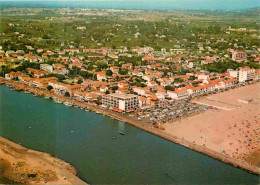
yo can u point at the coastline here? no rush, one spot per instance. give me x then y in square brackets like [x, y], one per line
[139, 124]
[27, 166]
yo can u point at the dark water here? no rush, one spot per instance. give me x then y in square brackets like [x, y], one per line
[85, 139]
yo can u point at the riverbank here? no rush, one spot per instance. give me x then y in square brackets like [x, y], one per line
[26, 166]
[131, 119]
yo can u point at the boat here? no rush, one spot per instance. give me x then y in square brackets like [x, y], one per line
[121, 128]
[86, 110]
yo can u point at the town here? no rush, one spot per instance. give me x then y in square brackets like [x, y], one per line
[130, 79]
[190, 77]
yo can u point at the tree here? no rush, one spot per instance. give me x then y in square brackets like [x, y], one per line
[169, 88]
[109, 72]
[80, 81]
[123, 71]
[67, 94]
[49, 87]
[178, 80]
[191, 78]
[107, 92]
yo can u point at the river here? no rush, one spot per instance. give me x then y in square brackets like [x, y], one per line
[85, 139]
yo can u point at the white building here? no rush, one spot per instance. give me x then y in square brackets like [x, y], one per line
[120, 102]
[178, 94]
[46, 67]
[243, 74]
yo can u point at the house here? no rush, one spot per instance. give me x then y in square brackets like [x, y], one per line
[114, 69]
[101, 76]
[137, 73]
[142, 102]
[128, 66]
[197, 91]
[165, 81]
[152, 83]
[39, 82]
[36, 73]
[239, 56]
[74, 50]
[12, 75]
[72, 88]
[257, 75]
[230, 83]
[149, 59]
[113, 56]
[46, 67]
[139, 90]
[148, 78]
[59, 88]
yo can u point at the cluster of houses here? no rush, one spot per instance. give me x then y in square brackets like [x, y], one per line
[139, 86]
[127, 98]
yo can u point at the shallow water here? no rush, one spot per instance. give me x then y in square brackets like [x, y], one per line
[85, 140]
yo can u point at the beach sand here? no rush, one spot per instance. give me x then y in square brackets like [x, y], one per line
[27, 166]
[233, 129]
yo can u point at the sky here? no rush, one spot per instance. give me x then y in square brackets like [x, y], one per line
[182, 4]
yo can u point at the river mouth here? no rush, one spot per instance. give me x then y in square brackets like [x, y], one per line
[93, 144]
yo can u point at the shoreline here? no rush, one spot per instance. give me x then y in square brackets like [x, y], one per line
[139, 124]
[26, 166]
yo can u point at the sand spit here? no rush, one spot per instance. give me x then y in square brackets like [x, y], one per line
[183, 135]
[27, 166]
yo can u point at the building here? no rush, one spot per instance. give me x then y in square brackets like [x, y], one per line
[239, 56]
[120, 102]
[178, 94]
[46, 67]
[243, 74]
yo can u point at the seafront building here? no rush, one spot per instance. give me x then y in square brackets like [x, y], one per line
[120, 102]
[243, 74]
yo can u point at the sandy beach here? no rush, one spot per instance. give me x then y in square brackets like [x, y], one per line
[185, 131]
[27, 166]
[233, 129]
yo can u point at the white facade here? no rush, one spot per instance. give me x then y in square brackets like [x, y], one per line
[243, 74]
[46, 67]
[178, 94]
[121, 102]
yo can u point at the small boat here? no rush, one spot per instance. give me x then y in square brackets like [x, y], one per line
[114, 137]
[121, 128]
[86, 110]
